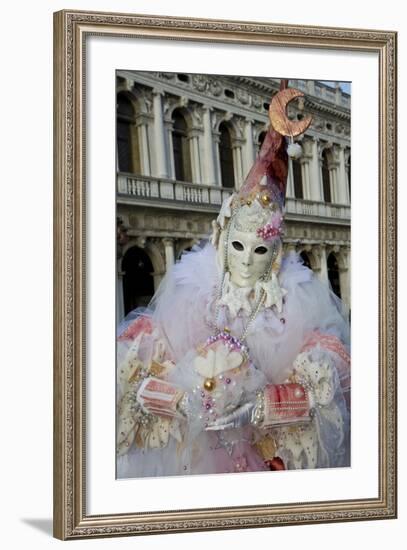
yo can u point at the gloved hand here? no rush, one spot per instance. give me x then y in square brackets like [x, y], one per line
[240, 417]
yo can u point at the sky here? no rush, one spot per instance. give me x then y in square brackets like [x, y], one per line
[344, 85]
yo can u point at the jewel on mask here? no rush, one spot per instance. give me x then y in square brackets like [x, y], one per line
[268, 232]
[272, 229]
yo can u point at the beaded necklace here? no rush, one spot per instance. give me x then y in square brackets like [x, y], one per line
[223, 334]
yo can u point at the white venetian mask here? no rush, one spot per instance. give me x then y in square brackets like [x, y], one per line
[249, 257]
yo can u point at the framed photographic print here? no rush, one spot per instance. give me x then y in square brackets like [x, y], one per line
[225, 267]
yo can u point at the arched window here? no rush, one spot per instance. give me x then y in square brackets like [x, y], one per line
[333, 274]
[326, 178]
[297, 175]
[138, 283]
[226, 157]
[127, 146]
[305, 259]
[180, 143]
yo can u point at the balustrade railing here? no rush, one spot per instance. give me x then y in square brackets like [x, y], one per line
[318, 209]
[165, 190]
[144, 187]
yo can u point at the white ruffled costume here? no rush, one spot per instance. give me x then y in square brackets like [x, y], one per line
[307, 342]
[241, 363]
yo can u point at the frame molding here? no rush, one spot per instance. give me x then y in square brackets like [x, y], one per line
[70, 31]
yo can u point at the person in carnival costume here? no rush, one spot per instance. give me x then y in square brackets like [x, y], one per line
[241, 362]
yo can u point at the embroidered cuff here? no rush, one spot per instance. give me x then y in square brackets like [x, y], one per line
[286, 404]
[159, 397]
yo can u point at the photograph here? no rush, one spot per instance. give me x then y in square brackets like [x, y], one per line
[224, 274]
[233, 294]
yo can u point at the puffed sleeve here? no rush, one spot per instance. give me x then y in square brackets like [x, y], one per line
[141, 356]
[308, 416]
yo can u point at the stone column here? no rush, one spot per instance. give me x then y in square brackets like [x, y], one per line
[323, 272]
[168, 124]
[159, 135]
[344, 276]
[216, 141]
[169, 252]
[317, 192]
[119, 295]
[237, 162]
[345, 286]
[333, 166]
[209, 155]
[142, 129]
[249, 153]
[305, 178]
[343, 178]
[195, 156]
[306, 168]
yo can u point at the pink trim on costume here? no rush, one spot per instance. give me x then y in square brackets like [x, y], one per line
[141, 324]
[327, 341]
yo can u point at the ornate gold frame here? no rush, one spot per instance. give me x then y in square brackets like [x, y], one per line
[70, 31]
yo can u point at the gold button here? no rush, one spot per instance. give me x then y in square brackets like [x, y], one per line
[209, 384]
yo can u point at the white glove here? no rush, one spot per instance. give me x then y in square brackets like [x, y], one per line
[240, 417]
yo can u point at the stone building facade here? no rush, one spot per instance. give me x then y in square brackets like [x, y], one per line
[186, 141]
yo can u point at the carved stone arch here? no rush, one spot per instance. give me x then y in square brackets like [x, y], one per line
[152, 250]
[324, 147]
[342, 258]
[122, 84]
[137, 275]
[234, 125]
[223, 117]
[134, 241]
[154, 254]
[183, 107]
[132, 98]
[237, 126]
[156, 257]
[314, 260]
[259, 130]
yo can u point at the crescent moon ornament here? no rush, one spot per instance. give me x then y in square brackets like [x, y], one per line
[278, 114]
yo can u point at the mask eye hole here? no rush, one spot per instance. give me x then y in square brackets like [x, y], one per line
[237, 245]
[261, 250]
